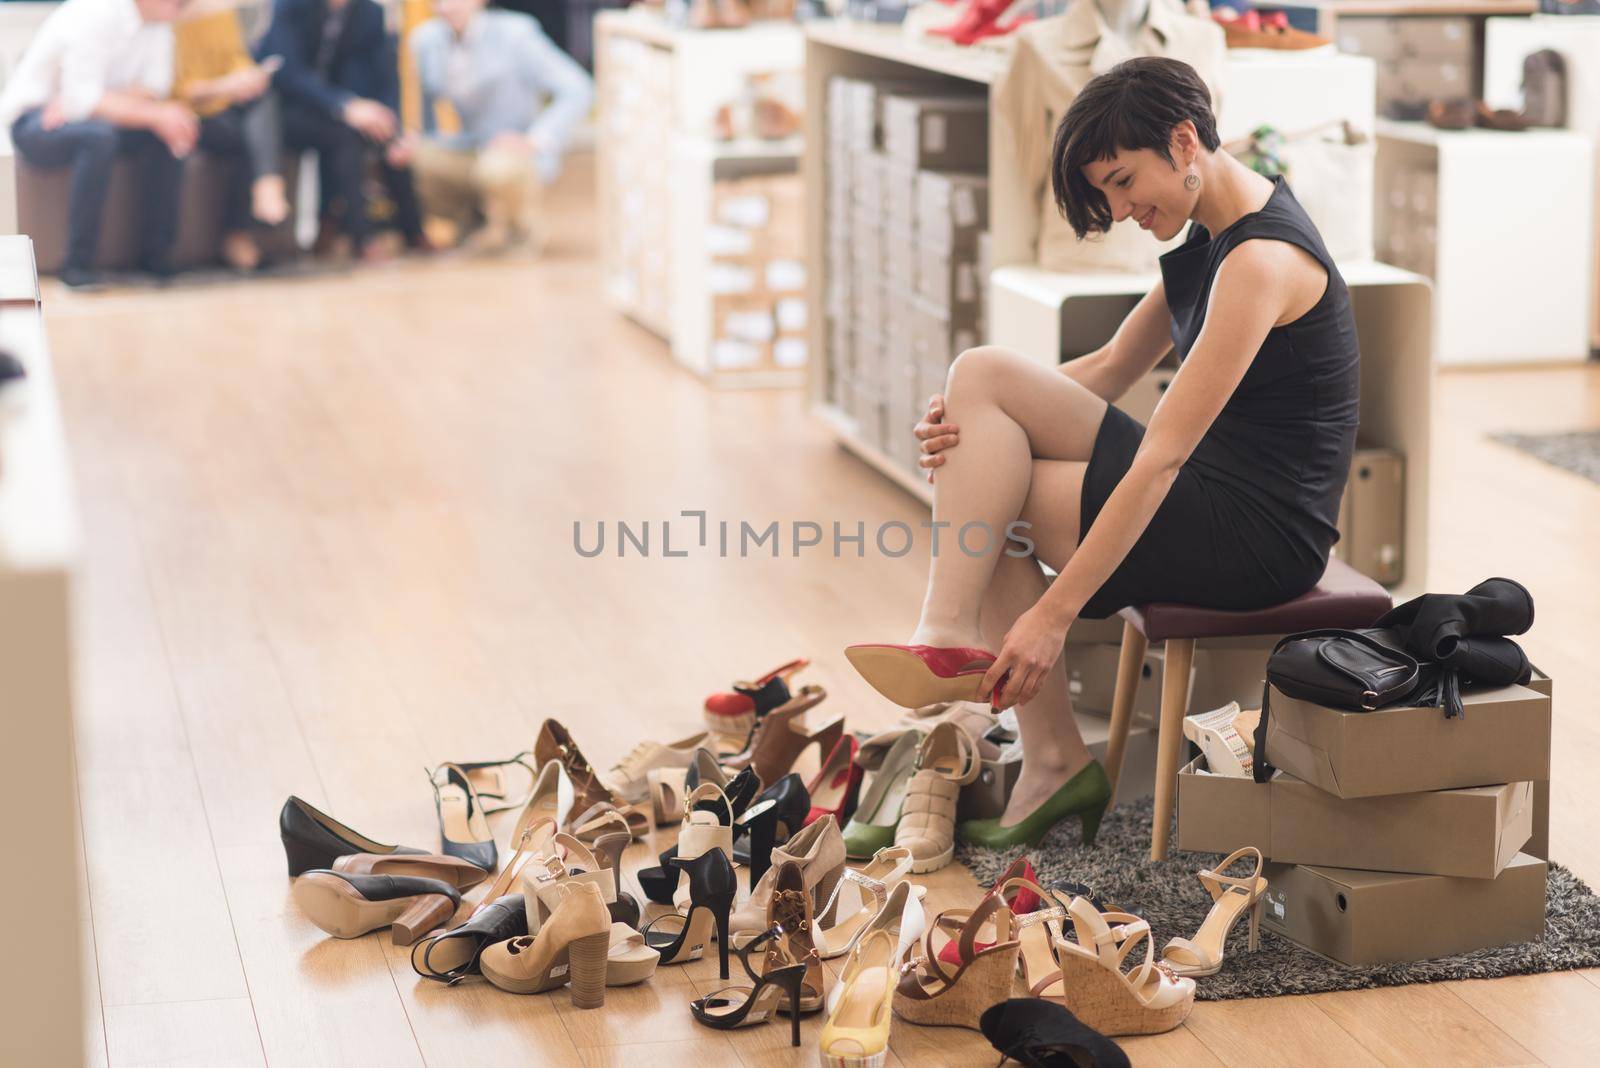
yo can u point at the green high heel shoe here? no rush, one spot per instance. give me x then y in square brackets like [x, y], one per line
[1086, 795]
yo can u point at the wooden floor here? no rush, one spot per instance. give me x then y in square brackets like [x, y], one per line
[330, 541]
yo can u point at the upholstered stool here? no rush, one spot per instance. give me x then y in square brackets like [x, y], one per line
[1344, 598]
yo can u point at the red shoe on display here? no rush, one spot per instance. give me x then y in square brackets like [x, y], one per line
[837, 785]
[979, 16]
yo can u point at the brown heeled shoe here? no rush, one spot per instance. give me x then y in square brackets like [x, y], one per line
[555, 743]
[790, 919]
[781, 737]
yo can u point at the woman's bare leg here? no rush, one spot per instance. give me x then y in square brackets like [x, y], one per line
[1010, 411]
[1053, 749]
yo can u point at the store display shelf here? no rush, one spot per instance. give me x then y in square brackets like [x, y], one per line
[847, 434]
[1420, 133]
[890, 43]
[1418, 7]
[749, 148]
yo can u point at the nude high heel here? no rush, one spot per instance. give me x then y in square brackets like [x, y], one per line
[1230, 897]
[571, 947]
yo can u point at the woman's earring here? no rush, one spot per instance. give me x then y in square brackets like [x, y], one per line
[1191, 181]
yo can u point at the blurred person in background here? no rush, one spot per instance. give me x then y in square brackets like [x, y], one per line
[239, 119]
[93, 85]
[518, 97]
[340, 88]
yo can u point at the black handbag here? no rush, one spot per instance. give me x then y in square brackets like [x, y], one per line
[1359, 670]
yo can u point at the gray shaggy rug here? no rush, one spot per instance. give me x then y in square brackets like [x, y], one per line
[1166, 893]
[1577, 451]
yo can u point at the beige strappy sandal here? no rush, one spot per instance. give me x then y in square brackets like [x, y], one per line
[946, 762]
[1146, 1000]
[1230, 897]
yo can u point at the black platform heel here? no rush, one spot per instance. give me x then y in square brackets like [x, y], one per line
[793, 804]
[712, 886]
[760, 826]
[739, 1006]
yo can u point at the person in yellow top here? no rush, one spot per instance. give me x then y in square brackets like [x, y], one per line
[239, 119]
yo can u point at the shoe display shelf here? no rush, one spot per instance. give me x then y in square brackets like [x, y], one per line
[1327, 15]
[1507, 42]
[1510, 286]
[39, 548]
[658, 89]
[1052, 316]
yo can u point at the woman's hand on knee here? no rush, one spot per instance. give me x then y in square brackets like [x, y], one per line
[935, 435]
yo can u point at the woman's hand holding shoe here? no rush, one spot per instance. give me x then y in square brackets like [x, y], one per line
[936, 435]
[1032, 646]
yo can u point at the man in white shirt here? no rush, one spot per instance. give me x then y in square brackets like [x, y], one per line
[94, 83]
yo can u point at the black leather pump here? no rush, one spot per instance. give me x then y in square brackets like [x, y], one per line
[314, 839]
[1044, 1034]
[452, 956]
[712, 886]
[793, 804]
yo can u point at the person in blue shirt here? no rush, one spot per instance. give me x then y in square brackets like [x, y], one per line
[518, 98]
[340, 86]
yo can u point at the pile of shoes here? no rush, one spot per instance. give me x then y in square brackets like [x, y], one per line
[778, 872]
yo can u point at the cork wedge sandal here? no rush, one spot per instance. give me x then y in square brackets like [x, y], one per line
[1145, 1000]
[1230, 897]
[934, 994]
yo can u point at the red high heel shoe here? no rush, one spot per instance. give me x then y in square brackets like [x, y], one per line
[837, 785]
[916, 675]
[1021, 900]
[736, 713]
[978, 14]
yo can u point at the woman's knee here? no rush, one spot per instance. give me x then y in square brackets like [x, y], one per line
[979, 368]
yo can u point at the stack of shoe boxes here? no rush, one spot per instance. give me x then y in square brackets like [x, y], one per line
[757, 275]
[1395, 835]
[906, 221]
[1420, 58]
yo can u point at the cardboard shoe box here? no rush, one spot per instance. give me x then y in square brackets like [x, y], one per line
[1367, 917]
[1471, 833]
[1503, 736]
[952, 209]
[939, 133]
[1092, 681]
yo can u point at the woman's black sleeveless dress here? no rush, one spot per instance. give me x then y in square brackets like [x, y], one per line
[1253, 513]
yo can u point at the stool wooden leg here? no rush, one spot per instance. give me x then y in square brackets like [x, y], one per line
[1174, 702]
[1129, 666]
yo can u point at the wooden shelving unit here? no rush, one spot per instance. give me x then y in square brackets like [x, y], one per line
[658, 89]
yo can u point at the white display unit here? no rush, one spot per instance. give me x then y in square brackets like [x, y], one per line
[1507, 42]
[40, 1007]
[1513, 284]
[656, 170]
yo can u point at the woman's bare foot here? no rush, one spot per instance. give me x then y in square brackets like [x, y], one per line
[1040, 778]
[268, 204]
[239, 251]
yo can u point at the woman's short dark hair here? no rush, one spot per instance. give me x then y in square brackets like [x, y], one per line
[1133, 105]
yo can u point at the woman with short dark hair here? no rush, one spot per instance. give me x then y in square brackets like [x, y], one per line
[1228, 499]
